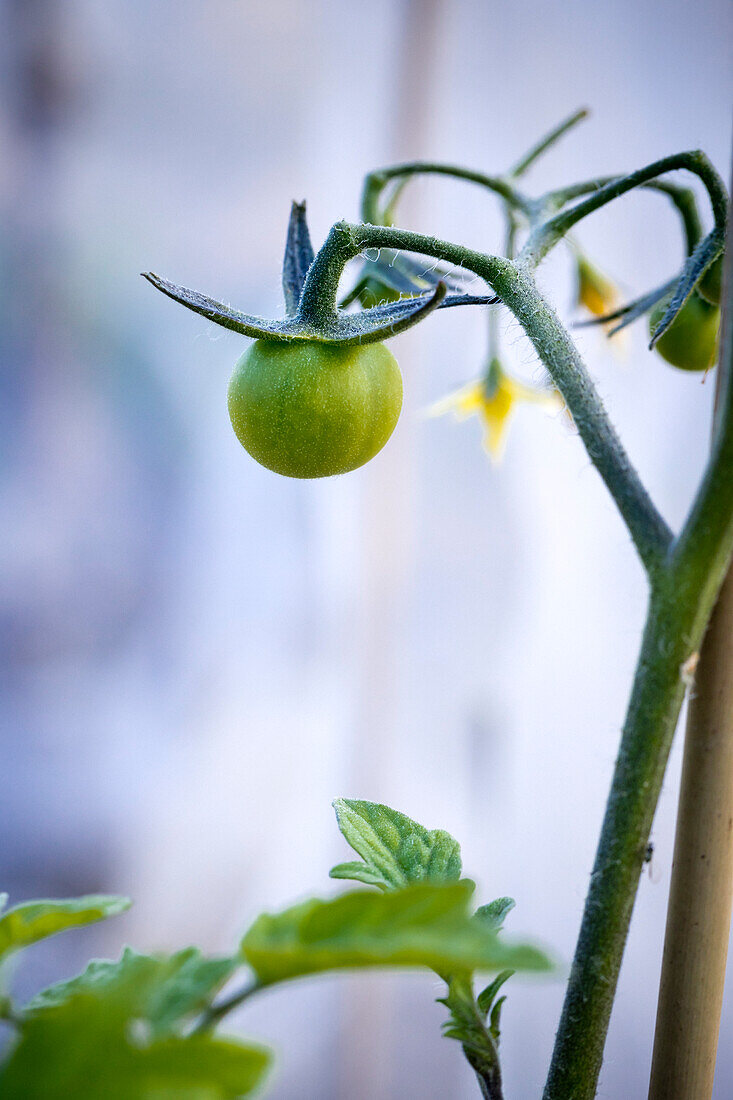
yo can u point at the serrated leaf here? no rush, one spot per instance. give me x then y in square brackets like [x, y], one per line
[397, 850]
[485, 998]
[424, 924]
[36, 920]
[495, 913]
[86, 1049]
[450, 1031]
[298, 257]
[160, 989]
[358, 872]
[705, 254]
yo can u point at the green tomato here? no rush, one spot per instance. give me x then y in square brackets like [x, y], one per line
[691, 341]
[307, 409]
[711, 284]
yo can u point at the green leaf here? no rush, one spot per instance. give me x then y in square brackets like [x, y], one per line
[36, 920]
[87, 1050]
[160, 989]
[494, 914]
[485, 998]
[424, 924]
[358, 872]
[396, 850]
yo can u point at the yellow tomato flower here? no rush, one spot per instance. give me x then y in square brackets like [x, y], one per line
[597, 294]
[595, 291]
[493, 398]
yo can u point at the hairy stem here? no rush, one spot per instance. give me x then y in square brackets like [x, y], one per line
[516, 288]
[501, 185]
[701, 889]
[682, 198]
[548, 140]
[685, 576]
[683, 595]
[376, 181]
[545, 235]
[669, 639]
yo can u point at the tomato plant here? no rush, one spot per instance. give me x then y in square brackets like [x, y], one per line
[318, 394]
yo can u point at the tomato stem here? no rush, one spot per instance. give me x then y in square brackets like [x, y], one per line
[545, 235]
[516, 288]
[684, 574]
[548, 140]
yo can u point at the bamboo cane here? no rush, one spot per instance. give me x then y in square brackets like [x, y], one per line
[699, 912]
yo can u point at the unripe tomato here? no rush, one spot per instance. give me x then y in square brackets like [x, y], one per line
[691, 340]
[307, 409]
[710, 286]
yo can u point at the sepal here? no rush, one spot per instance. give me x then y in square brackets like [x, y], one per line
[702, 258]
[630, 312]
[257, 327]
[417, 297]
[365, 327]
[298, 257]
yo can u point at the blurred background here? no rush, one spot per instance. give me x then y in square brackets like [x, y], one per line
[198, 655]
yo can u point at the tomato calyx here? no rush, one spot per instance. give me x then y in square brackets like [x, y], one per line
[334, 327]
[392, 276]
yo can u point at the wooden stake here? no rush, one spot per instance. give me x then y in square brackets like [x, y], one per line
[699, 912]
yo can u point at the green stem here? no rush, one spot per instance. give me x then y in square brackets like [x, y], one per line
[376, 181]
[517, 290]
[682, 198]
[684, 575]
[545, 142]
[682, 599]
[670, 637]
[480, 1047]
[547, 234]
[216, 1012]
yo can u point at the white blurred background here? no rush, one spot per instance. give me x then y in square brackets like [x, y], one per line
[198, 655]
